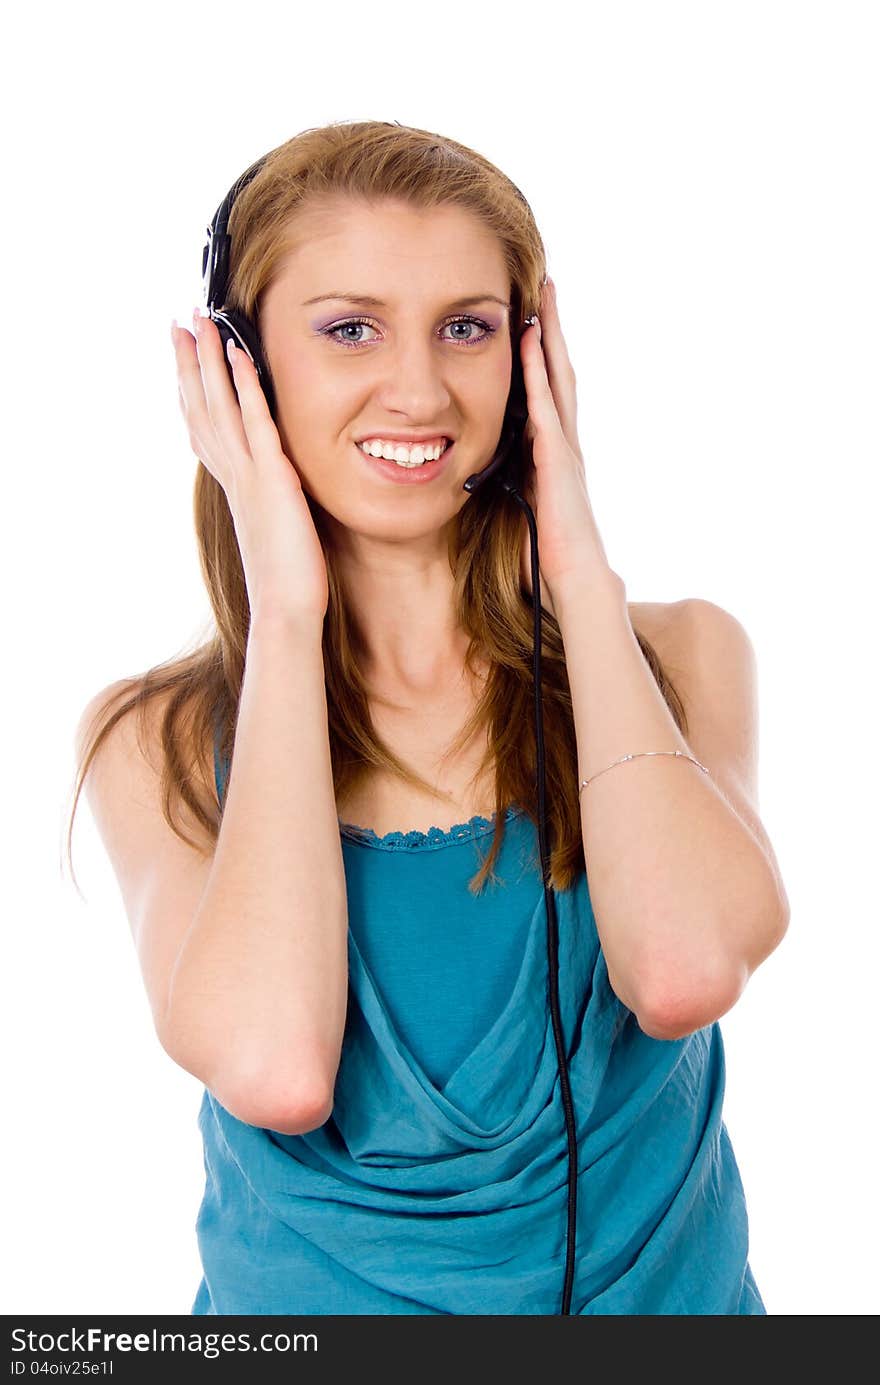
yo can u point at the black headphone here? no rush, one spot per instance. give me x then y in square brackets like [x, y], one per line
[234, 325]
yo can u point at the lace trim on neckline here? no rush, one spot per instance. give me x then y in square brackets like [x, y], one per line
[476, 826]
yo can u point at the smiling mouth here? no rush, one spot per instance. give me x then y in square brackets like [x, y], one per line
[408, 473]
[402, 454]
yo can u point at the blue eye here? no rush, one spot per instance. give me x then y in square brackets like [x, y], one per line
[365, 322]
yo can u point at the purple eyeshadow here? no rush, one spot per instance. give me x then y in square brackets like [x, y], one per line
[492, 319]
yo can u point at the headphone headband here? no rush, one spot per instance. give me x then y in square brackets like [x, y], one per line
[232, 325]
[215, 255]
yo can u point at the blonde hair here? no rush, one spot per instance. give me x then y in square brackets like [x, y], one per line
[373, 160]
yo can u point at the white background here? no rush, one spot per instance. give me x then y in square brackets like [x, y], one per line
[705, 178]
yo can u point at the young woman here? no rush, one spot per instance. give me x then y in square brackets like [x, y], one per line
[323, 821]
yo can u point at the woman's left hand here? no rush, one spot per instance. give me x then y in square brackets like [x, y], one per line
[570, 549]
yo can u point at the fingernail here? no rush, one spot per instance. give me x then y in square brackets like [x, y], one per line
[197, 321]
[538, 326]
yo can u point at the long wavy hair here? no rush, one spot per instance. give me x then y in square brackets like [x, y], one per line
[200, 690]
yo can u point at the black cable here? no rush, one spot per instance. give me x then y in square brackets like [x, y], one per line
[550, 903]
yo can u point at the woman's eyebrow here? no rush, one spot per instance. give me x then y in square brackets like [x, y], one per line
[365, 301]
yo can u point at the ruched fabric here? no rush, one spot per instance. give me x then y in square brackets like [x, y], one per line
[439, 1182]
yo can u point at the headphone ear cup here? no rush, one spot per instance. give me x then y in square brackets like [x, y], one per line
[240, 329]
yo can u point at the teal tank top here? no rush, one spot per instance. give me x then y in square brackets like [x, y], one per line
[439, 1182]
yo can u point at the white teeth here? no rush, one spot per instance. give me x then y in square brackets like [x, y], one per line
[402, 455]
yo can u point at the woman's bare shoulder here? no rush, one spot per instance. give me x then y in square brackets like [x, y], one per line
[137, 735]
[661, 623]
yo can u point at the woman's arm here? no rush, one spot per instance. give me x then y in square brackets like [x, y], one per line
[686, 902]
[261, 977]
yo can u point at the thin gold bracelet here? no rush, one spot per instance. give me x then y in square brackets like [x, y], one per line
[683, 753]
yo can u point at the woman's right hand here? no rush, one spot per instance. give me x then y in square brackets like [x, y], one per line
[233, 434]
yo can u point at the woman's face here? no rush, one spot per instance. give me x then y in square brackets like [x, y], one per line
[419, 360]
